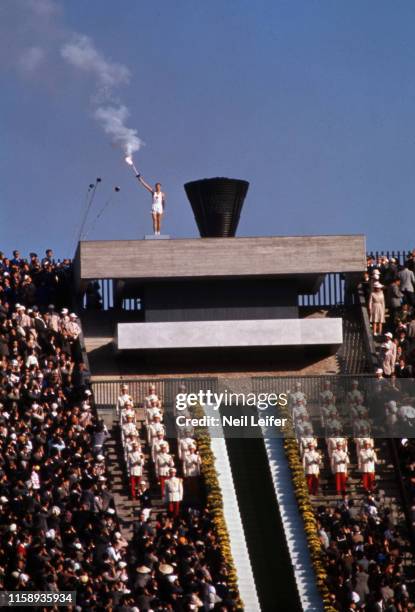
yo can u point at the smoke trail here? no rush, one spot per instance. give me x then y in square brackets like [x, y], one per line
[81, 54]
[113, 121]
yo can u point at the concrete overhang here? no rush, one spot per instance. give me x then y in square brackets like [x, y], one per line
[304, 257]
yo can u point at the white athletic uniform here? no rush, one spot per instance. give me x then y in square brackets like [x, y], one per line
[157, 206]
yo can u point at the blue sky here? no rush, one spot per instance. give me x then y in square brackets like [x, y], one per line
[312, 102]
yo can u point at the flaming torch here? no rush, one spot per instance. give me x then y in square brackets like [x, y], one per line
[129, 161]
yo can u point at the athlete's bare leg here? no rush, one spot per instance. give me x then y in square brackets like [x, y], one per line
[154, 217]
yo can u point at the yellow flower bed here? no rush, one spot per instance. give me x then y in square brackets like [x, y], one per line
[310, 523]
[215, 502]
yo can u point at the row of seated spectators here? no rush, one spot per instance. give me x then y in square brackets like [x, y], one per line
[175, 560]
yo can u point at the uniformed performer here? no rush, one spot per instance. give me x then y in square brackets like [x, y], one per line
[123, 397]
[158, 445]
[339, 462]
[367, 463]
[173, 492]
[154, 428]
[135, 465]
[164, 462]
[311, 463]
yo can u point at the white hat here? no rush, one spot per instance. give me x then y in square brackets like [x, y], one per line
[88, 392]
[13, 527]
[3, 499]
[56, 510]
[110, 511]
[73, 316]
[100, 458]
[379, 371]
[122, 564]
[64, 311]
[389, 335]
[377, 285]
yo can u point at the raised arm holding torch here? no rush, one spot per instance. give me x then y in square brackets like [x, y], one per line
[158, 198]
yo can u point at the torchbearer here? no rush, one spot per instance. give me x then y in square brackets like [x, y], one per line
[367, 463]
[311, 463]
[158, 197]
[158, 203]
[339, 462]
[173, 493]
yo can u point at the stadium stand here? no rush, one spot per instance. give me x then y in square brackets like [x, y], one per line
[58, 521]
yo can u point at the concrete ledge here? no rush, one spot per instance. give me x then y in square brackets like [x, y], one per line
[275, 256]
[229, 334]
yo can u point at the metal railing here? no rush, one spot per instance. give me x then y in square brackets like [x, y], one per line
[106, 392]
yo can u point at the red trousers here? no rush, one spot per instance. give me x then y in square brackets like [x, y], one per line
[134, 482]
[312, 483]
[368, 481]
[174, 508]
[162, 480]
[340, 478]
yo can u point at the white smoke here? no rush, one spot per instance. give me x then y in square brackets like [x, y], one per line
[113, 121]
[81, 53]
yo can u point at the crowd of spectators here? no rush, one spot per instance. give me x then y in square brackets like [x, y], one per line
[59, 529]
[58, 524]
[390, 289]
[364, 554]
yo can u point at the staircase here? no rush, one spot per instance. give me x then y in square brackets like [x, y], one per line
[127, 509]
[240, 555]
[388, 490]
[264, 533]
[293, 525]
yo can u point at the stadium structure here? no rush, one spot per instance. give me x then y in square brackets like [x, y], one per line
[164, 318]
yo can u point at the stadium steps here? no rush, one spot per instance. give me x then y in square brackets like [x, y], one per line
[264, 533]
[293, 525]
[127, 509]
[387, 487]
[246, 582]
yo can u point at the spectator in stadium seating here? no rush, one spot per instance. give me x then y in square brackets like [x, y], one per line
[407, 279]
[377, 308]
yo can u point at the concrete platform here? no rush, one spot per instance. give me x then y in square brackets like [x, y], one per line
[275, 256]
